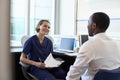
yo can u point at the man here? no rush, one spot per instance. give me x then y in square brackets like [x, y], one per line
[99, 52]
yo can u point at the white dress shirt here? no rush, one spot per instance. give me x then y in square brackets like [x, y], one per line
[99, 52]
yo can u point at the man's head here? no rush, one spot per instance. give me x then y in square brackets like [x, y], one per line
[97, 23]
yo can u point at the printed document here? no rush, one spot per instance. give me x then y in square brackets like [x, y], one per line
[51, 62]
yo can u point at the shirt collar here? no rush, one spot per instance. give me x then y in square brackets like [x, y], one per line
[100, 34]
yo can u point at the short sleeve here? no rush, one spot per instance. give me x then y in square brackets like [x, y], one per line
[27, 46]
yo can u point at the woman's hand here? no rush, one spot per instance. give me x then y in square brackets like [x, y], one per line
[40, 65]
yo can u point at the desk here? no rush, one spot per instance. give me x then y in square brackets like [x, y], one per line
[69, 59]
[71, 54]
[65, 53]
[17, 71]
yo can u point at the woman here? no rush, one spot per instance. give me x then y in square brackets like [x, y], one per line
[35, 51]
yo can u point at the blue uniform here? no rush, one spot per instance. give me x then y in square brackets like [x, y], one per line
[34, 50]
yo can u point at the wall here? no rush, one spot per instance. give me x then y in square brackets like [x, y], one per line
[5, 57]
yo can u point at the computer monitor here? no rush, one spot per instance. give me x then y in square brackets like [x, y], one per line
[67, 44]
[83, 38]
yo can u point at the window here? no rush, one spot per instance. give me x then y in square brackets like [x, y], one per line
[17, 20]
[41, 9]
[25, 15]
[87, 7]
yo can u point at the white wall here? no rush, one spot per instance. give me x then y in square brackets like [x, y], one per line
[5, 62]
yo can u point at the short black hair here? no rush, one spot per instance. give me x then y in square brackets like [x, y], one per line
[102, 20]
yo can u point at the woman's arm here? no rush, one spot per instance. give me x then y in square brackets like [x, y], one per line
[24, 59]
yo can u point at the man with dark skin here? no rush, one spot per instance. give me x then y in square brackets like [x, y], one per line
[99, 52]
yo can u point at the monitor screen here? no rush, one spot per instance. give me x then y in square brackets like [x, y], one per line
[83, 38]
[67, 43]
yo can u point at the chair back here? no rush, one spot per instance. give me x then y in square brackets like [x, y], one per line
[23, 39]
[50, 37]
[108, 74]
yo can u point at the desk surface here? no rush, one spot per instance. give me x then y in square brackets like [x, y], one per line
[62, 52]
[15, 50]
[71, 54]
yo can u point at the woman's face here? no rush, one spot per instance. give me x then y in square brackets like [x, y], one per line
[44, 28]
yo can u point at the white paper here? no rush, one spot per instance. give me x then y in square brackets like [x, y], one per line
[51, 62]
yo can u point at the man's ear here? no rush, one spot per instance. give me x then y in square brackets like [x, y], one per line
[93, 25]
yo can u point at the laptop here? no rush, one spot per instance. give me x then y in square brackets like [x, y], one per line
[66, 45]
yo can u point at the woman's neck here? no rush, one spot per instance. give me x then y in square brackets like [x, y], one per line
[41, 37]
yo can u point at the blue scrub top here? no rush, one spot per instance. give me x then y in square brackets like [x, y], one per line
[34, 50]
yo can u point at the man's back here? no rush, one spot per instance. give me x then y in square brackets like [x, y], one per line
[105, 54]
[100, 52]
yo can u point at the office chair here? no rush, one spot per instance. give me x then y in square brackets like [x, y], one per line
[26, 74]
[24, 66]
[108, 74]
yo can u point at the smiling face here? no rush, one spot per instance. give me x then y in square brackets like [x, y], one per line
[44, 28]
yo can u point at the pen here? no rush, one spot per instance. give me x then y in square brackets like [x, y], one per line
[40, 60]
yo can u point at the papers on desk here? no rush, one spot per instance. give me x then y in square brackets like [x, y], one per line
[51, 62]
